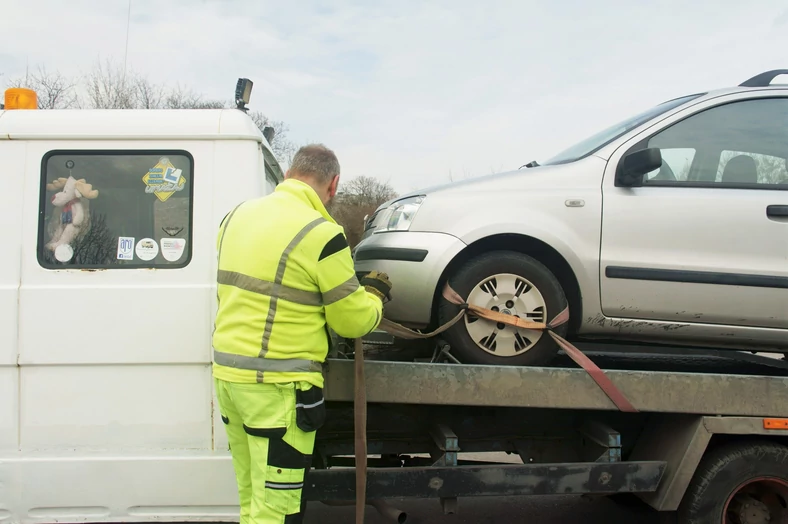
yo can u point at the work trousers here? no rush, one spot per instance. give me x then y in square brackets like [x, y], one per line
[271, 453]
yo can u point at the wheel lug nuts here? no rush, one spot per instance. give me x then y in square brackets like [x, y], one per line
[501, 325]
[509, 303]
[494, 308]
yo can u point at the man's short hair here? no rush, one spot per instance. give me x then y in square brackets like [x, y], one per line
[315, 160]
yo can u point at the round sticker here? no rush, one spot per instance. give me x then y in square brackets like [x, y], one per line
[64, 252]
[147, 249]
[172, 248]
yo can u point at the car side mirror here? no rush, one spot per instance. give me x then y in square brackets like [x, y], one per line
[635, 165]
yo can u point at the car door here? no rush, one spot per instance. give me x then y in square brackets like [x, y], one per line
[705, 238]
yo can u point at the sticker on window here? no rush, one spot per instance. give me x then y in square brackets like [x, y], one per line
[172, 248]
[126, 248]
[147, 249]
[164, 179]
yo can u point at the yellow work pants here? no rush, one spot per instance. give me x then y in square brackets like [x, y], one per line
[271, 454]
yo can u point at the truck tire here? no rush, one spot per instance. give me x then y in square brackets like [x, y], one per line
[744, 481]
[513, 283]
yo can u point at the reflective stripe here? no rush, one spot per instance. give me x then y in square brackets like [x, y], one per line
[293, 365]
[265, 287]
[280, 274]
[341, 291]
[283, 485]
[310, 406]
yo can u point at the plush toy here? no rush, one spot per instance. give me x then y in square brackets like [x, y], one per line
[72, 221]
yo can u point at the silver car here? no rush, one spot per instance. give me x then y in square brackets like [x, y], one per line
[670, 227]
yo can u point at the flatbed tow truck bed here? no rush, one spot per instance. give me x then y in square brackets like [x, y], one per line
[709, 438]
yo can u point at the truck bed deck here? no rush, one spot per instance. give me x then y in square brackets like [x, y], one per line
[654, 379]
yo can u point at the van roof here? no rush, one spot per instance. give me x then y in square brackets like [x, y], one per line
[129, 124]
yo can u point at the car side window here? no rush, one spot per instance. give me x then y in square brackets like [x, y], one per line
[115, 209]
[738, 145]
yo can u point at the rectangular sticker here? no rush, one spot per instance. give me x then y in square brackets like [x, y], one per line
[125, 248]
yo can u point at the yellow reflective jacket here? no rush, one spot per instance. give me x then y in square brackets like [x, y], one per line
[285, 271]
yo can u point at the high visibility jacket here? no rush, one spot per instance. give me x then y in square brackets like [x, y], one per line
[285, 271]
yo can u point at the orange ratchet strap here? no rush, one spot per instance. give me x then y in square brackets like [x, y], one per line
[599, 376]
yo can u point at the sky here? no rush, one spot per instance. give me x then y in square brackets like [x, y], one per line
[416, 93]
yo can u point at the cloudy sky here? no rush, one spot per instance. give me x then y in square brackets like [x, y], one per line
[414, 92]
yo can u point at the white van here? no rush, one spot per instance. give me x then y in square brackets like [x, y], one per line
[106, 402]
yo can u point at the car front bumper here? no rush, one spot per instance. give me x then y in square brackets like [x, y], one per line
[414, 262]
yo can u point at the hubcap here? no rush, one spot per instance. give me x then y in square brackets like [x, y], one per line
[511, 295]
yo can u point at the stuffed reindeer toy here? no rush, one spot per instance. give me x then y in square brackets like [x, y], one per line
[72, 200]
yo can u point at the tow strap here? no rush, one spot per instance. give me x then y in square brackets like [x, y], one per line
[398, 330]
[602, 380]
[360, 428]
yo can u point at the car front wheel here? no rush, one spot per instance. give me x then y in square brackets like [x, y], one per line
[514, 284]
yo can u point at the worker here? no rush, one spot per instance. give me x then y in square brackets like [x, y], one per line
[285, 275]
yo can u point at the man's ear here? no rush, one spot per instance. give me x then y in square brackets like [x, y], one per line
[287, 174]
[332, 189]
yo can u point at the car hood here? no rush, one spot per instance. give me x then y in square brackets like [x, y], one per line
[575, 174]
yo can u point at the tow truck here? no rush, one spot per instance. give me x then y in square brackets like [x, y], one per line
[112, 419]
[708, 443]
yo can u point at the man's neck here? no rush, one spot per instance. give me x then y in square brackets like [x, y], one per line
[311, 183]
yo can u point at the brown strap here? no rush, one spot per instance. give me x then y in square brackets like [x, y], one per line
[599, 376]
[360, 423]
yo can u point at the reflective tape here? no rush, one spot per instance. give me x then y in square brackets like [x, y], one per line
[284, 485]
[280, 274]
[288, 365]
[341, 291]
[310, 406]
[271, 289]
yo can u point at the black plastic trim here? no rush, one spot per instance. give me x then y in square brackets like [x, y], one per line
[391, 253]
[696, 277]
[777, 211]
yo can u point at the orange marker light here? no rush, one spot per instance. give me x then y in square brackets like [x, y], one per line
[20, 98]
[775, 423]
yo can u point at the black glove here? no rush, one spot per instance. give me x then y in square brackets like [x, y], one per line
[378, 284]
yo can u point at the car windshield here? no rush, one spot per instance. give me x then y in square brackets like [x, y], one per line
[597, 141]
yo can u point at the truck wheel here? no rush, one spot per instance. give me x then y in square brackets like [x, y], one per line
[514, 284]
[739, 483]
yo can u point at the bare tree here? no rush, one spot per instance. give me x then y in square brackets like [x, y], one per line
[180, 98]
[148, 95]
[358, 198]
[111, 86]
[770, 169]
[283, 148]
[54, 90]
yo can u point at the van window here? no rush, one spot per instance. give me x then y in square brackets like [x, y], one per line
[115, 209]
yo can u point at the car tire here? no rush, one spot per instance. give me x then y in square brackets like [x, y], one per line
[498, 279]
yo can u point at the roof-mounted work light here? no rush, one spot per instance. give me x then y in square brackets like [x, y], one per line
[243, 91]
[269, 133]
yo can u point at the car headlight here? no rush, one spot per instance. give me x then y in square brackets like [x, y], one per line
[400, 214]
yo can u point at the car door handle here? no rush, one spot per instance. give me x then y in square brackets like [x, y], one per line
[777, 211]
